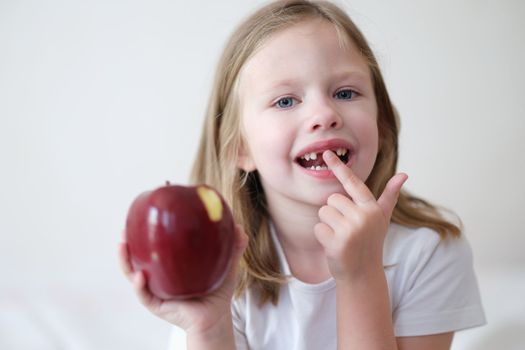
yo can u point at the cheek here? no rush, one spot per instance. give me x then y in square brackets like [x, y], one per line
[271, 144]
[367, 132]
[271, 148]
[255, 136]
[374, 135]
[268, 132]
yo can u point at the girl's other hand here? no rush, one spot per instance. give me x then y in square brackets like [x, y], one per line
[353, 228]
[198, 316]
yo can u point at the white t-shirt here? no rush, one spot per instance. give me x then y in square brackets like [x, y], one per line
[432, 288]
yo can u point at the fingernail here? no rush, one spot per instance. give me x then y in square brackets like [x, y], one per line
[328, 154]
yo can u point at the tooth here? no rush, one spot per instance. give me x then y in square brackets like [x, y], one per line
[312, 167]
[318, 167]
[307, 156]
[313, 155]
[343, 151]
[338, 151]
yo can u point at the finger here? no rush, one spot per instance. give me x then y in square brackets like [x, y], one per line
[125, 261]
[241, 239]
[143, 292]
[388, 199]
[324, 234]
[352, 184]
[240, 244]
[333, 218]
[341, 203]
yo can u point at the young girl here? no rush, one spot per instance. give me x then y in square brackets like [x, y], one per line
[301, 139]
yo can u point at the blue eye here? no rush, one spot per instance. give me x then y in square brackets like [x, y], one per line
[346, 94]
[285, 102]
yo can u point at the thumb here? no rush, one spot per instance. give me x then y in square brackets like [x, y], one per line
[239, 246]
[241, 241]
[388, 199]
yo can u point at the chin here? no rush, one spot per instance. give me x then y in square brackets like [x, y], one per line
[322, 198]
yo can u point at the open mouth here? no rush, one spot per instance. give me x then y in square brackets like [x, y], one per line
[314, 160]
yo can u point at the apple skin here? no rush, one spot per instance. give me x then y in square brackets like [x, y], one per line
[172, 237]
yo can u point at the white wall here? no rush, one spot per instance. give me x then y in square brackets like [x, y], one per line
[100, 100]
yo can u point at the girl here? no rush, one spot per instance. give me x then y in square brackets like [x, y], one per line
[301, 138]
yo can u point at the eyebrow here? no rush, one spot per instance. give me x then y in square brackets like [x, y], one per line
[359, 75]
[353, 74]
[284, 83]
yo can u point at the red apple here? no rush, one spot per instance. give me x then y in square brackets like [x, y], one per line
[182, 237]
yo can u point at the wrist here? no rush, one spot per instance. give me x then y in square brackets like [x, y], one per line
[364, 316]
[363, 275]
[218, 336]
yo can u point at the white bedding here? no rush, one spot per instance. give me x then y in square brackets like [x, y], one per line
[71, 319]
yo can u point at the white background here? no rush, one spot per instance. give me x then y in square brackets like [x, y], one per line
[101, 100]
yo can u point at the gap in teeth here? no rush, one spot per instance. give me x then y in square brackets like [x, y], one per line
[313, 155]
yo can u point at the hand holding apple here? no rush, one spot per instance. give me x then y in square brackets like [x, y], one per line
[205, 318]
[182, 238]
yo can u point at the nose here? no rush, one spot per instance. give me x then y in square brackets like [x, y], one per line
[324, 117]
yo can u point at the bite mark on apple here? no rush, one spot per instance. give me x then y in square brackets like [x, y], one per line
[212, 203]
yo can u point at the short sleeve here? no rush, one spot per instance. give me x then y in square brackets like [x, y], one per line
[441, 293]
[239, 324]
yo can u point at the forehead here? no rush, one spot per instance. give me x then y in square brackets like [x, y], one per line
[310, 46]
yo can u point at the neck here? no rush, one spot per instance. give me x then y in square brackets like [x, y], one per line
[294, 224]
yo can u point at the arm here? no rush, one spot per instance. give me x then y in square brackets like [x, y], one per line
[218, 337]
[352, 230]
[428, 342]
[371, 311]
[364, 319]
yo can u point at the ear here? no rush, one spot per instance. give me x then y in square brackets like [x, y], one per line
[244, 158]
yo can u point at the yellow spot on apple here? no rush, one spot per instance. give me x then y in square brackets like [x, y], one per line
[154, 256]
[212, 202]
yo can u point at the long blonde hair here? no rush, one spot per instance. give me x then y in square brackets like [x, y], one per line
[216, 161]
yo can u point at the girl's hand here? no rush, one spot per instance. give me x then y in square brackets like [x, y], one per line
[199, 316]
[353, 228]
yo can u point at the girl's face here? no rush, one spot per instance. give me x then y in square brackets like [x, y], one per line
[300, 94]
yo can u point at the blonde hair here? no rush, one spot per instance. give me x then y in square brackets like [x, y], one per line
[216, 161]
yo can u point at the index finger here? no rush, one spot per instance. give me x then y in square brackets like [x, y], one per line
[352, 184]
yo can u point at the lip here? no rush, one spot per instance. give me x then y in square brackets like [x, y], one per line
[320, 146]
